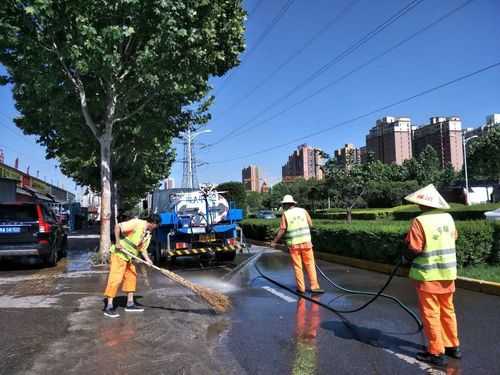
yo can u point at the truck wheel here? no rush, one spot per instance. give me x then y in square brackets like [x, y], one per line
[225, 256]
[157, 252]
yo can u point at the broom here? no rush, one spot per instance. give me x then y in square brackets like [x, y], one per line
[218, 301]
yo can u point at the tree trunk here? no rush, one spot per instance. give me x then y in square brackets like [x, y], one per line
[105, 239]
[349, 215]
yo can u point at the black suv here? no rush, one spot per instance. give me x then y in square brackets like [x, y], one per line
[31, 229]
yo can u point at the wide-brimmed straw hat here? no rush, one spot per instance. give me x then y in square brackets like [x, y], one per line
[429, 197]
[288, 199]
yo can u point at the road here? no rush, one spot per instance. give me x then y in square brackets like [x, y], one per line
[51, 323]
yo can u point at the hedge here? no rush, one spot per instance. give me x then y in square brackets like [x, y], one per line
[478, 242]
[405, 213]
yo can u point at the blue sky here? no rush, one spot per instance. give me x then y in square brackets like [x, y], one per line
[464, 42]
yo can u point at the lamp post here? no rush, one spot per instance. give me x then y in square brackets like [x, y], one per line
[464, 143]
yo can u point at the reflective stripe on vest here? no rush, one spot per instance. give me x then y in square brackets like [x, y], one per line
[438, 260]
[132, 241]
[297, 227]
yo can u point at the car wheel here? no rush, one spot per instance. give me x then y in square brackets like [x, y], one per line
[51, 259]
[63, 251]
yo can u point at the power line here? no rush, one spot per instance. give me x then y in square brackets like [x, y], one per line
[356, 69]
[254, 9]
[297, 53]
[367, 114]
[259, 41]
[348, 51]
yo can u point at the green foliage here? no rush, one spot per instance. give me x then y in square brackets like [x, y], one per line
[349, 185]
[234, 192]
[475, 242]
[481, 272]
[458, 211]
[483, 156]
[307, 193]
[389, 193]
[254, 201]
[381, 241]
[381, 185]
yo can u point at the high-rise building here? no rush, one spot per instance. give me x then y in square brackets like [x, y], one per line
[305, 162]
[264, 188]
[492, 121]
[347, 155]
[444, 134]
[250, 178]
[390, 140]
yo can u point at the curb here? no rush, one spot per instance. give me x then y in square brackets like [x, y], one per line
[481, 286]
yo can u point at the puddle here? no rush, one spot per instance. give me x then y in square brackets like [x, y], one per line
[215, 330]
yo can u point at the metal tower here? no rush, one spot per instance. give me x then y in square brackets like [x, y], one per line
[190, 164]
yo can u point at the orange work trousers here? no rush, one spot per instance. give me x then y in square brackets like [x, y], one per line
[440, 322]
[304, 256]
[121, 273]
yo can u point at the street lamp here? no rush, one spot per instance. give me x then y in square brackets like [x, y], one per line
[464, 143]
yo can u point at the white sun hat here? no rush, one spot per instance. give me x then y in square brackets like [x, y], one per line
[288, 199]
[429, 197]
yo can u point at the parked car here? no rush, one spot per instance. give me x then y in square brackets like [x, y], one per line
[265, 214]
[31, 229]
[493, 215]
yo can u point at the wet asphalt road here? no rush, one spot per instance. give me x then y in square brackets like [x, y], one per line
[51, 322]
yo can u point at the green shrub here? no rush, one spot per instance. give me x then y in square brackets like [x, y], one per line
[383, 241]
[475, 242]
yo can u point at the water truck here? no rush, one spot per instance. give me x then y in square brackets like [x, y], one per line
[195, 223]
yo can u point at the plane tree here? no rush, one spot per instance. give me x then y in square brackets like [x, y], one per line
[105, 72]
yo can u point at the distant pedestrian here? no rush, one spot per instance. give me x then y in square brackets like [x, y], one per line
[295, 226]
[134, 237]
[431, 241]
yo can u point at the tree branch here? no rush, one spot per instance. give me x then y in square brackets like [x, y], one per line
[74, 78]
[135, 111]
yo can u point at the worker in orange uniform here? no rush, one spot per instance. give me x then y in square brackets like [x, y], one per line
[133, 236]
[431, 243]
[295, 224]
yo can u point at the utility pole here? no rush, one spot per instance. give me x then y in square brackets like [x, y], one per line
[189, 175]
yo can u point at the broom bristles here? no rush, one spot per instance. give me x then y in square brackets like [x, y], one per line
[219, 302]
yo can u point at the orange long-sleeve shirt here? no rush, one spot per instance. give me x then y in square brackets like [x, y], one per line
[415, 239]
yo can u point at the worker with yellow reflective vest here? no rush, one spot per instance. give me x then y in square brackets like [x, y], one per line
[431, 244]
[134, 237]
[295, 226]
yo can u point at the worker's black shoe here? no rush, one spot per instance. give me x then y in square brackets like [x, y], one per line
[133, 308]
[453, 352]
[438, 360]
[317, 291]
[110, 312]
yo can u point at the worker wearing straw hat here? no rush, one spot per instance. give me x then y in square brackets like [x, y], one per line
[431, 243]
[295, 224]
[134, 237]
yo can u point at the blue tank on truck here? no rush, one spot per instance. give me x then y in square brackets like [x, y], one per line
[196, 223]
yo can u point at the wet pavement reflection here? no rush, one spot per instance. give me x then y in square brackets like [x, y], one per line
[307, 320]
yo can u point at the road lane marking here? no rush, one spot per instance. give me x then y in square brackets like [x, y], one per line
[279, 294]
[415, 362]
